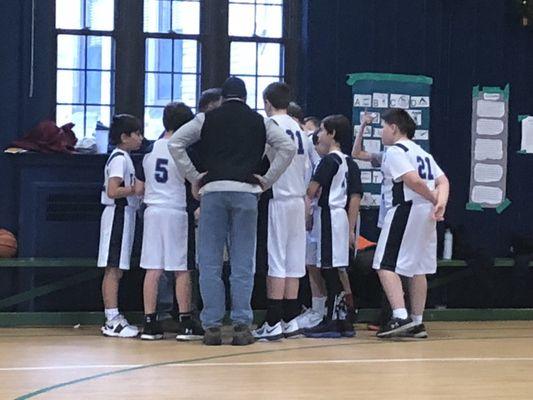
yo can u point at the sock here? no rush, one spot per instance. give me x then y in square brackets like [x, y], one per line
[319, 305]
[274, 311]
[399, 313]
[417, 319]
[290, 309]
[333, 286]
[150, 318]
[110, 313]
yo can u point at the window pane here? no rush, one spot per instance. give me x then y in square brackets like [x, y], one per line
[159, 55]
[69, 14]
[268, 59]
[262, 83]
[95, 114]
[186, 17]
[100, 14]
[71, 113]
[153, 124]
[250, 89]
[242, 58]
[280, 2]
[99, 87]
[241, 20]
[157, 15]
[70, 51]
[185, 55]
[99, 52]
[158, 89]
[269, 21]
[242, 1]
[70, 86]
[185, 89]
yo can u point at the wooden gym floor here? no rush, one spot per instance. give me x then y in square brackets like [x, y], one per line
[460, 360]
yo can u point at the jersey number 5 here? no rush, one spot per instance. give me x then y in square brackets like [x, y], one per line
[299, 136]
[161, 171]
[423, 165]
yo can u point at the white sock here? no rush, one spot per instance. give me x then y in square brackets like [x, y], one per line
[111, 313]
[399, 313]
[319, 305]
[417, 319]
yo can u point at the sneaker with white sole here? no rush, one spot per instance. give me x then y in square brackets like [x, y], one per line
[119, 327]
[291, 329]
[309, 319]
[395, 327]
[267, 332]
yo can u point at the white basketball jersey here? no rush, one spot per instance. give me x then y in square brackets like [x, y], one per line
[164, 185]
[293, 182]
[403, 157]
[119, 165]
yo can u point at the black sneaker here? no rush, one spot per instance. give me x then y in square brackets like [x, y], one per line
[189, 329]
[417, 332]
[345, 327]
[394, 327]
[213, 336]
[242, 335]
[327, 329]
[152, 329]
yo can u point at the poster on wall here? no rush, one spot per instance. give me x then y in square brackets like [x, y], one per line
[374, 93]
[488, 173]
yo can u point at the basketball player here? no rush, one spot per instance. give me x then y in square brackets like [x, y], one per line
[117, 228]
[415, 192]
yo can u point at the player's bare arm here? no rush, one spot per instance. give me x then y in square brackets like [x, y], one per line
[115, 191]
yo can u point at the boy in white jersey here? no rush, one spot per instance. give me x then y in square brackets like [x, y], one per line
[286, 224]
[117, 228]
[337, 183]
[166, 228]
[415, 192]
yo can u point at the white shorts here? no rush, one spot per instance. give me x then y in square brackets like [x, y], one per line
[334, 240]
[117, 231]
[286, 238]
[165, 239]
[311, 248]
[407, 244]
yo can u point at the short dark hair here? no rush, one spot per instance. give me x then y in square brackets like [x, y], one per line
[175, 115]
[343, 130]
[295, 111]
[401, 119]
[313, 119]
[278, 94]
[207, 97]
[122, 123]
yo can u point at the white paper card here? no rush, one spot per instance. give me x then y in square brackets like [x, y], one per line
[488, 173]
[364, 164]
[399, 100]
[366, 176]
[380, 100]
[487, 194]
[416, 115]
[527, 135]
[378, 132]
[367, 132]
[375, 115]
[490, 109]
[368, 200]
[372, 146]
[419, 101]
[421, 135]
[491, 96]
[362, 100]
[377, 177]
[488, 149]
[489, 126]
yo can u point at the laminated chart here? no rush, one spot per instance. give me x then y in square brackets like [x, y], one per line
[374, 93]
[488, 173]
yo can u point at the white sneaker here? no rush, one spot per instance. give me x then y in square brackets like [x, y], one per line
[119, 327]
[267, 332]
[291, 328]
[309, 319]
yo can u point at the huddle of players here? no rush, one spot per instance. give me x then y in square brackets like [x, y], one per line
[312, 215]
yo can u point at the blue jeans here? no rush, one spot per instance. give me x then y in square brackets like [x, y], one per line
[223, 215]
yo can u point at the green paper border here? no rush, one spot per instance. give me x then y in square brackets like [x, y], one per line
[523, 117]
[503, 206]
[373, 76]
[471, 206]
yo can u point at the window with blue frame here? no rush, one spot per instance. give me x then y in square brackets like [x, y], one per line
[85, 63]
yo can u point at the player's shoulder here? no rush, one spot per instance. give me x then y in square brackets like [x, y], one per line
[116, 155]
